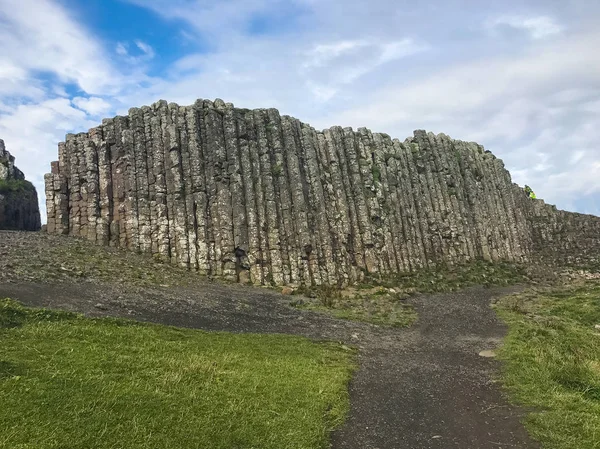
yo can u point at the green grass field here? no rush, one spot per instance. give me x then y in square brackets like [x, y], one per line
[71, 382]
[552, 363]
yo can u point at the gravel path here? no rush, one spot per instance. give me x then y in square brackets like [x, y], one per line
[422, 387]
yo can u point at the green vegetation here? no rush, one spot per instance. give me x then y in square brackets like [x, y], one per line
[381, 300]
[590, 266]
[458, 156]
[452, 278]
[552, 363]
[378, 306]
[15, 186]
[276, 170]
[69, 259]
[376, 172]
[78, 383]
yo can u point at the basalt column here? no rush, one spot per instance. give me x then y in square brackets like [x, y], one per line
[263, 198]
[19, 209]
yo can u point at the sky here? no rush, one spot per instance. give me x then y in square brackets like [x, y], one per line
[521, 77]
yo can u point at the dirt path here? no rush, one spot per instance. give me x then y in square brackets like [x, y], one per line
[424, 387]
[417, 388]
[430, 388]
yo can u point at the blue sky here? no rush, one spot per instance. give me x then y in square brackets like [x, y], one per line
[520, 77]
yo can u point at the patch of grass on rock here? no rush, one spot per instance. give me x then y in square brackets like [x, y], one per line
[452, 278]
[72, 382]
[15, 186]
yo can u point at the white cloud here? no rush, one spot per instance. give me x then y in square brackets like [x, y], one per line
[474, 86]
[121, 49]
[93, 106]
[391, 51]
[375, 64]
[15, 81]
[141, 53]
[45, 51]
[213, 18]
[531, 102]
[38, 35]
[538, 111]
[322, 54]
[320, 92]
[147, 49]
[35, 144]
[576, 157]
[538, 27]
[328, 67]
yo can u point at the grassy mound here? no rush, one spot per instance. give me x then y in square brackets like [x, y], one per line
[552, 363]
[72, 382]
[381, 300]
[453, 278]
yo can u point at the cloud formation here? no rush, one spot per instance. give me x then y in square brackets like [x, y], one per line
[538, 27]
[40, 36]
[522, 78]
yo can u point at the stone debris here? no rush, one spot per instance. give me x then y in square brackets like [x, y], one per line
[261, 198]
[19, 208]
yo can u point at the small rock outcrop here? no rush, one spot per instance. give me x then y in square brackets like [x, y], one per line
[19, 208]
[264, 198]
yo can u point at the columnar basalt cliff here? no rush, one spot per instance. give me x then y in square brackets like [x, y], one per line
[19, 209]
[255, 196]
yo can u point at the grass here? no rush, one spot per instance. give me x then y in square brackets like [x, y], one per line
[71, 382]
[552, 363]
[452, 278]
[377, 307]
[403, 315]
[58, 258]
[15, 186]
[381, 300]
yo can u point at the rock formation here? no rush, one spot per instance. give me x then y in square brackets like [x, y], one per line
[19, 209]
[263, 198]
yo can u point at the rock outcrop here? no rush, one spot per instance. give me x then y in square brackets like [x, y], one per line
[263, 198]
[19, 208]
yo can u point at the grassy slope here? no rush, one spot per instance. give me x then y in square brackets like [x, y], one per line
[73, 382]
[381, 300]
[552, 363]
[53, 258]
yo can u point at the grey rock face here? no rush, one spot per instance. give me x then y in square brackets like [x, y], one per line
[267, 199]
[19, 209]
